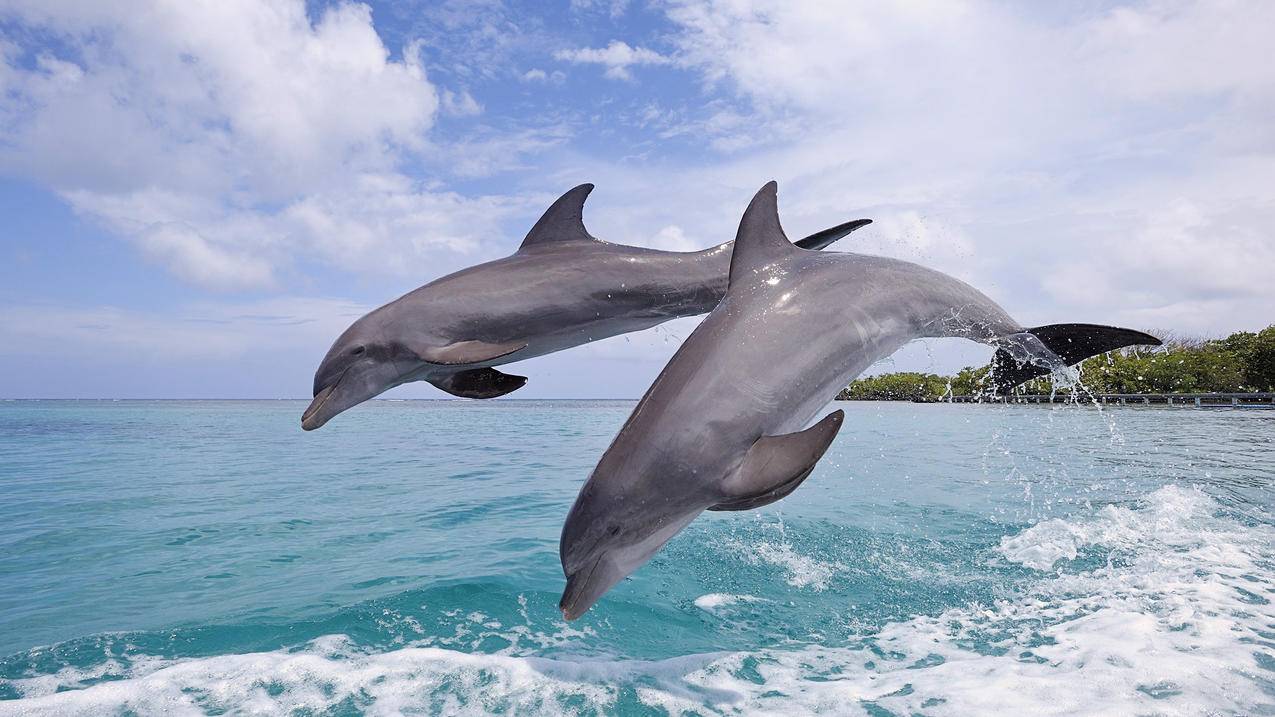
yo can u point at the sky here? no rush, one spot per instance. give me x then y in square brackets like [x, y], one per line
[198, 196]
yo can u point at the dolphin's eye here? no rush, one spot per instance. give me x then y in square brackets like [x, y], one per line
[358, 350]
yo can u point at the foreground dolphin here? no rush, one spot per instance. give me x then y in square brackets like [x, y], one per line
[562, 288]
[715, 430]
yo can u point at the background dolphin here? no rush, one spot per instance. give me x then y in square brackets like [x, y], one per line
[562, 288]
[715, 430]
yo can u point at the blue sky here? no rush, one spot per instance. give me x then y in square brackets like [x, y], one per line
[200, 197]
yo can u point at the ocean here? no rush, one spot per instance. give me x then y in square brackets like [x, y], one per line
[208, 557]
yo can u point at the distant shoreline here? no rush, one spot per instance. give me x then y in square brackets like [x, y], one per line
[1201, 400]
[1240, 364]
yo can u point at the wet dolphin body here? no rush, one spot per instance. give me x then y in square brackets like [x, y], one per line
[562, 288]
[720, 429]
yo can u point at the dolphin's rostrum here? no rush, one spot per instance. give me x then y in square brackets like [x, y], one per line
[720, 429]
[562, 288]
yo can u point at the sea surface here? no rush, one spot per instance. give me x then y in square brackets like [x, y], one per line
[208, 557]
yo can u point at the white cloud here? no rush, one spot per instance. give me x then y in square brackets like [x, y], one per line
[267, 348]
[205, 331]
[206, 133]
[672, 238]
[617, 57]
[379, 224]
[614, 8]
[1184, 265]
[557, 77]
[1077, 165]
[200, 239]
[259, 84]
[1074, 163]
[389, 225]
[484, 153]
[460, 104]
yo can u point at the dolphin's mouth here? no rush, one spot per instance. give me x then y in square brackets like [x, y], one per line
[572, 596]
[312, 419]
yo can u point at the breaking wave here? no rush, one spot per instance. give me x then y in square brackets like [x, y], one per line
[1161, 607]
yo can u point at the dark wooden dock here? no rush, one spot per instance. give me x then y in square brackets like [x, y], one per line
[1203, 400]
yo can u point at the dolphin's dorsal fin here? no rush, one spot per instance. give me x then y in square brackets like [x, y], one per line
[464, 352]
[562, 221]
[760, 240]
[775, 465]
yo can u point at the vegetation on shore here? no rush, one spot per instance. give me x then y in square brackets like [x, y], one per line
[1243, 362]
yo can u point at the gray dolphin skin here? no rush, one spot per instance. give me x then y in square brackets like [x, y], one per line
[562, 288]
[721, 427]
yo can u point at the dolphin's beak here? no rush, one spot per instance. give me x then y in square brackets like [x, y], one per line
[354, 385]
[586, 586]
[315, 416]
[574, 602]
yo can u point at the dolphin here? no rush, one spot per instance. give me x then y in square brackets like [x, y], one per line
[562, 288]
[722, 426]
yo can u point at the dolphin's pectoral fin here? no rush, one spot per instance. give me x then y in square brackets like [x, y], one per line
[463, 352]
[775, 465]
[820, 240]
[1016, 362]
[480, 383]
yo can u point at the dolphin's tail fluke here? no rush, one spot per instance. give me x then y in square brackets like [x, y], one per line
[1038, 352]
[820, 240]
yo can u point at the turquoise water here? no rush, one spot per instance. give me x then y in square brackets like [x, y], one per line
[210, 557]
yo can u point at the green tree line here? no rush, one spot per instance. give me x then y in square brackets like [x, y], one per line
[1240, 363]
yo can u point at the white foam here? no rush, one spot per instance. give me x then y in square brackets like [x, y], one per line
[1170, 625]
[715, 601]
[1050, 541]
[330, 673]
[802, 571]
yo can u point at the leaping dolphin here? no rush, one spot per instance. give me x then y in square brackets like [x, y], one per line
[562, 288]
[719, 428]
